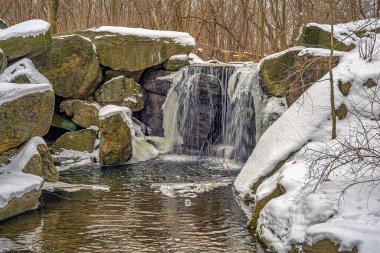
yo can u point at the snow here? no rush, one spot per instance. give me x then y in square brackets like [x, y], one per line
[194, 59]
[20, 68]
[300, 215]
[12, 91]
[178, 57]
[178, 37]
[15, 183]
[25, 29]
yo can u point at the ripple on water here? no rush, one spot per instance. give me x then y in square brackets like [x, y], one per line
[134, 216]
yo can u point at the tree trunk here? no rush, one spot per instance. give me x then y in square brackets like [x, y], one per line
[52, 14]
[332, 96]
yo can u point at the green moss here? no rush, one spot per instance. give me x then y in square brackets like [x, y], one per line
[252, 223]
[3, 61]
[20, 205]
[313, 36]
[31, 46]
[274, 73]
[62, 122]
[82, 140]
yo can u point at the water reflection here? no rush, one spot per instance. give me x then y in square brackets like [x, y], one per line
[132, 216]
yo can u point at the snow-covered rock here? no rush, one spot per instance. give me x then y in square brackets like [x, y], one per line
[134, 49]
[29, 38]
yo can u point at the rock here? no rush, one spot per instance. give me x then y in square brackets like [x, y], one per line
[83, 113]
[157, 81]
[289, 74]
[130, 49]
[72, 66]
[121, 91]
[176, 62]
[325, 246]
[63, 123]
[344, 88]
[3, 24]
[115, 135]
[26, 110]
[3, 61]
[27, 39]
[341, 113]
[152, 114]
[314, 36]
[41, 162]
[116, 73]
[82, 140]
[370, 83]
[6, 156]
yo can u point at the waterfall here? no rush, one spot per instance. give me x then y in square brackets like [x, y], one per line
[217, 109]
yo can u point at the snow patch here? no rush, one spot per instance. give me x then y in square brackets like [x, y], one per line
[25, 29]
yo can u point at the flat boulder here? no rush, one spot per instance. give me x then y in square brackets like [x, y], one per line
[72, 66]
[121, 91]
[82, 140]
[83, 113]
[135, 49]
[26, 110]
[116, 133]
[26, 39]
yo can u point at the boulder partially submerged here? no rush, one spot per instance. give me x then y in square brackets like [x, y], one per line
[116, 131]
[29, 38]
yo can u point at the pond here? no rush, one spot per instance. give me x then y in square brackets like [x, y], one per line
[169, 204]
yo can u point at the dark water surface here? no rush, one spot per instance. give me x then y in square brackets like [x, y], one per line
[134, 216]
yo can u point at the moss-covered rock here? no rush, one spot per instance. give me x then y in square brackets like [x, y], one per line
[82, 140]
[42, 164]
[27, 116]
[115, 140]
[314, 36]
[123, 92]
[72, 66]
[290, 74]
[63, 123]
[325, 246]
[26, 46]
[20, 205]
[176, 62]
[3, 61]
[83, 113]
[341, 112]
[3, 24]
[344, 88]
[116, 73]
[131, 52]
[370, 83]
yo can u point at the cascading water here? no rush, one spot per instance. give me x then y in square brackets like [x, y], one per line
[217, 109]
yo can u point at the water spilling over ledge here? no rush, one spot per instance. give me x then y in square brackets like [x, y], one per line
[217, 109]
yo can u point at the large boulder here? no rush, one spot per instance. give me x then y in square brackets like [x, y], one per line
[26, 110]
[123, 92]
[82, 140]
[116, 133]
[152, 114]
[315, 35]
[3, 61]
[156, 81]
[134, 49]
[291, 72]
[27, 39]
[83, 113]
[72, 66]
